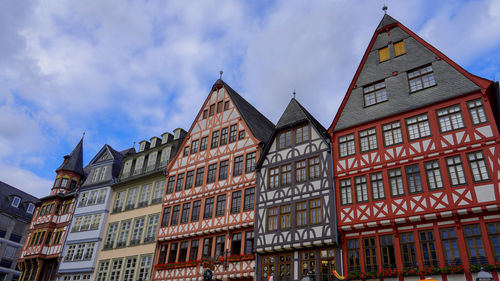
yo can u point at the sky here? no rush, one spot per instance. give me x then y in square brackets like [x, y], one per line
[125, 71]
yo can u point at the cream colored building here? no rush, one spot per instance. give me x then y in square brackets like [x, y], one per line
[128, 245]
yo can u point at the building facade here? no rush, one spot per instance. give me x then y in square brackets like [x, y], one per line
[88, 224]
[16, 211]
[126, 253]
[416, 163]
[208, 208]
[295, 219]
[41, 253]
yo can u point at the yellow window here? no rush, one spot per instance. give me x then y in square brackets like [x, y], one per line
[383, 54]
[399, 48]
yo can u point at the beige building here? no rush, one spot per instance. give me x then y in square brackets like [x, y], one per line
[128, 246]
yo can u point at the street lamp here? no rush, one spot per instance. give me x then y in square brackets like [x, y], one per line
[484, 276]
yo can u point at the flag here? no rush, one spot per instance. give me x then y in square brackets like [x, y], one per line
[270, 278]
[337, 275]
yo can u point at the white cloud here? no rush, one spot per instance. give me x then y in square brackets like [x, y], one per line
[25, 180]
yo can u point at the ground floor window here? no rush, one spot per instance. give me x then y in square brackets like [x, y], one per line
[308, 264]
[285, 267]
[268, 267]
[327, 263]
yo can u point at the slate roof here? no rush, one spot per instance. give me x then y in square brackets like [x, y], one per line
[295, 114]
[74, 161]
[260, 126]
[386, 20]
[7, 191]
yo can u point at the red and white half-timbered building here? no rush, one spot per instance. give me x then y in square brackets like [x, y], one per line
[47, 231]
[208, 208]
[416, 164]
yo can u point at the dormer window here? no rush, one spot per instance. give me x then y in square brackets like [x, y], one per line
[64, 182]
[374, 93]
[421, 78]
[30, 209]
[15, 201]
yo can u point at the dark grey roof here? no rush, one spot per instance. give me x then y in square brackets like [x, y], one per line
[386, 20]
[6, 196]
[59, 195]
[295, 114]
[74, 161]
[260, 126]
[128, 151]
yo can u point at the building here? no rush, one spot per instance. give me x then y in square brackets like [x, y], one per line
[88, 224]
[41, 253]
[208, 210]
[16, 211]
[128, 245]
[416, 163]
[295, 219]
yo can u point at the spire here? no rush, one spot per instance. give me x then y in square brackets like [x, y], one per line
[74, 161]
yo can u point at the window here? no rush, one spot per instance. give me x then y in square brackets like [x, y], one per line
[456, 170]
[185, 212]
[374, 93]
[396, 182]
[186, 151]
[370, 250]
[209, 208]
[180, 182]
[64, 182]
[30, 209]
[189, 179]
[101, 196]
[132, 198]
[212, 172]
[433, 172]
[377, 184]
[286, 174]
[408, 251]
[170, 184]
[232, 133]
[238, 166]
[70, 253]
[219, 245]
[144, 197]
[450, 118]
[284, 267]
[421, 78]
[162, 256]
[250, 162]
[383, 54]
[152, 228]
[193, 253]
[346, 191]
[123, 235]
[494, 235]
[102, 271]
[392, 133]
[175, 215]
[285, 139]
[478, 167]
[300, 171]
[158, 192]
[86, 223]
[211, 110]
[428, 249]
[199, 176]
[77, 224]
[205, 114]
[302, 134]
[268, 266]
[474, 244]
[249, 199]
[368, 140]
[301, 214]
[183, 251]
[172, 254]
[285, 217]
[129, 272]
[15, 201]
[194, 146]
[207, 247]
[137, 232]
[144, 267]
[413, 180]
[166, 216]
[226, 105]
[236, 244]
[215, 139]
[315, 211]
[236, 202]
[313, 168]
[249, 242]
[272, 219]
[223, 169]
[308, 264]
[195, 213]
[387, 252]
[221, 205]
[219, 107]
[223, 136]
[361, 189]
[327, 263]
[476, 111]
[450, 247]
[399, 48]
[274, 174]
[418, 127]
[116, 269]
[203, 143]
[347, 145]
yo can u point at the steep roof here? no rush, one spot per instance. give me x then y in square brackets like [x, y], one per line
[6, 195]
[74, 161]
[260, 126]
[294, 114]
[451, 79]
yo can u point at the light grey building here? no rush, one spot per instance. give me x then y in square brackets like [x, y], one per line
[16, 211]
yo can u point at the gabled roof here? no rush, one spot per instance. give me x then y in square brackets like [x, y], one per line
[452, 80]
[74, 161]
[260, 126]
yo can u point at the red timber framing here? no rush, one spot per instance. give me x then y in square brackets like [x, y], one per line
[208, 207]
[421, 203]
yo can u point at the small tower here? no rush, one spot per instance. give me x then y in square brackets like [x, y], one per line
[70, 174]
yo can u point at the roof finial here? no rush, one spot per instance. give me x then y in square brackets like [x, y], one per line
[133, 145]
[83, 134]
[384, 8]
[221, 72]
[293, 92]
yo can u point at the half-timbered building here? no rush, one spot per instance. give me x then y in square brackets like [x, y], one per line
[208, 207]
[49, 227]
[295, 219]
[416, 163]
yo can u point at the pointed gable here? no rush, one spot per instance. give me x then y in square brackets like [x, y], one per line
[450, 80]
[74, 161]
[295, 114]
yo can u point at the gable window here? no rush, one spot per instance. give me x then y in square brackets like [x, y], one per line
[238, 166]
[478, 166]
[374, 93]
[212, 172]
[215, 139]
[180, 182]
[418, 127]
[223, 169]
[203, 143]
[368, 139]
[211, 110]
[377, 184]
[186, 151]
[223, 136]
[249, 199]
[194, 146]
[450, 118]
[383, 54]
[232, 133]
[199, 176]
[399, 48]
[476, 111]
[413, 179]
[250, 162]
[285, 139]
[433, 173]
[456, 170]
[392, 133]
[241, 135]
[219, 107]
[346, 191]
[396, 182]
[302, 134]
[361, 189]
[346, 145]
[189, 179]
[421, 78]
[15, 202]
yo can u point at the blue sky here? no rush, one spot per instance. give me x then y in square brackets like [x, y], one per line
[124, 71]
